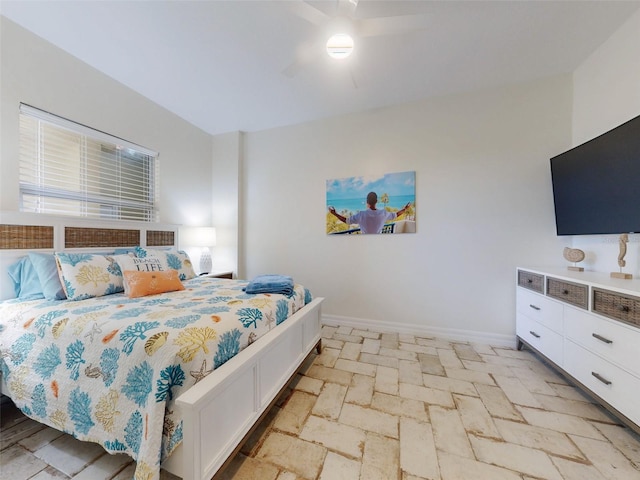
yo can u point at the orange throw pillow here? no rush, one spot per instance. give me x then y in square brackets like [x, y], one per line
[141, 284]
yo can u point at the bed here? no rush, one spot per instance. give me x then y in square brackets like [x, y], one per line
[176, 379]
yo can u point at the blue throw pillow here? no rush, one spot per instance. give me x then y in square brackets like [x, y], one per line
[124, 251]
[26, 283]
[45, 266]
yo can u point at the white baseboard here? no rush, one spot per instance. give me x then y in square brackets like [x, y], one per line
[494, 339]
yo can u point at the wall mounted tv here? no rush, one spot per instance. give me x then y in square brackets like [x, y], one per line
[596, 186]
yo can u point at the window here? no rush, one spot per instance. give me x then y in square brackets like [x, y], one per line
[69, 169]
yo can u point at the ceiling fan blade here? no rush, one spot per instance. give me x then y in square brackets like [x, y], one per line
[305, 55]
[346, 7]
[308, 12]
[354, 80]
[294, 67]
[400, 24]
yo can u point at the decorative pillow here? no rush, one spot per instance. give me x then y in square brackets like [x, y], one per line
[141, 284]
[148, 264]
[47, 270]
[24, 277]
[129, 263]
[170, 259]
[86, 275]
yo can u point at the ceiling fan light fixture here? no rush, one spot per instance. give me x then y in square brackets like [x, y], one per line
[340, 46]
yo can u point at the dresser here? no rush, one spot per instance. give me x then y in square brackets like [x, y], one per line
[587, 325]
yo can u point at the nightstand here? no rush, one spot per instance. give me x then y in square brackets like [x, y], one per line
[223, 274]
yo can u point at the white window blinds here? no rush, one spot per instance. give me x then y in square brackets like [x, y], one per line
[69, 169]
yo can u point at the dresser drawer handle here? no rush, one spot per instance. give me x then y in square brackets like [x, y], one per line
[601, 338]
[601, 378]
[565, 292]
[534, 334]
[534, 307]
[529, 280]
[623, 308]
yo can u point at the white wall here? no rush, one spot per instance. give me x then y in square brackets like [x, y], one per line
[225, 188]
[483, 197]
[607, 94]
[35, 72]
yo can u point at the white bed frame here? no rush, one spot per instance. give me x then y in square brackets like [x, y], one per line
[220, 411]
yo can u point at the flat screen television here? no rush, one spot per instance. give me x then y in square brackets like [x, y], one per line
[596, 185]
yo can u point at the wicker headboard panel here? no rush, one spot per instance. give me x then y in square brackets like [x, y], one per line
[25, 236]
[161, 238]
[31, 237]
[21, 232]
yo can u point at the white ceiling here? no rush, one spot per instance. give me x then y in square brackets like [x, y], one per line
[219, 64]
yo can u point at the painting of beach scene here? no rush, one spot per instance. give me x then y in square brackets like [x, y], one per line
[371, 204]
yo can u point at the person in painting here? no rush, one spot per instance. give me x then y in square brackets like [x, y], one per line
[370, 220]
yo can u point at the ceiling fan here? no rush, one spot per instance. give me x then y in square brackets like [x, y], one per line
[339, 34]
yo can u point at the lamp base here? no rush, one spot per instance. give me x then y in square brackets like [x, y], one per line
[205, 261]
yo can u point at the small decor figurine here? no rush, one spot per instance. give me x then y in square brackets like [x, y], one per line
[622, 242]
[574, 255]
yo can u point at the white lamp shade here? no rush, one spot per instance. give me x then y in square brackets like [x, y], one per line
[198, 236]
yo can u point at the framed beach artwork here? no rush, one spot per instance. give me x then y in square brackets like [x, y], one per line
[372, 204]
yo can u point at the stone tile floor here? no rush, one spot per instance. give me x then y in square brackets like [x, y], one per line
[380, 406]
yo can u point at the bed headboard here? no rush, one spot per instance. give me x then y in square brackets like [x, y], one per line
[21, 233]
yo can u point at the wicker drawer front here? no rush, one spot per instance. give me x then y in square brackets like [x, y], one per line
[568, 292]
[530, 280]
[616, 305]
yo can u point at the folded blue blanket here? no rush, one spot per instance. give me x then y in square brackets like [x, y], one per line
[271, 284]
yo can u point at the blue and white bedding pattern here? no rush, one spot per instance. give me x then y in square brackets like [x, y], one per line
[108, 369]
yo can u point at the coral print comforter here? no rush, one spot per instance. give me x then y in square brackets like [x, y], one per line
[108, 369]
